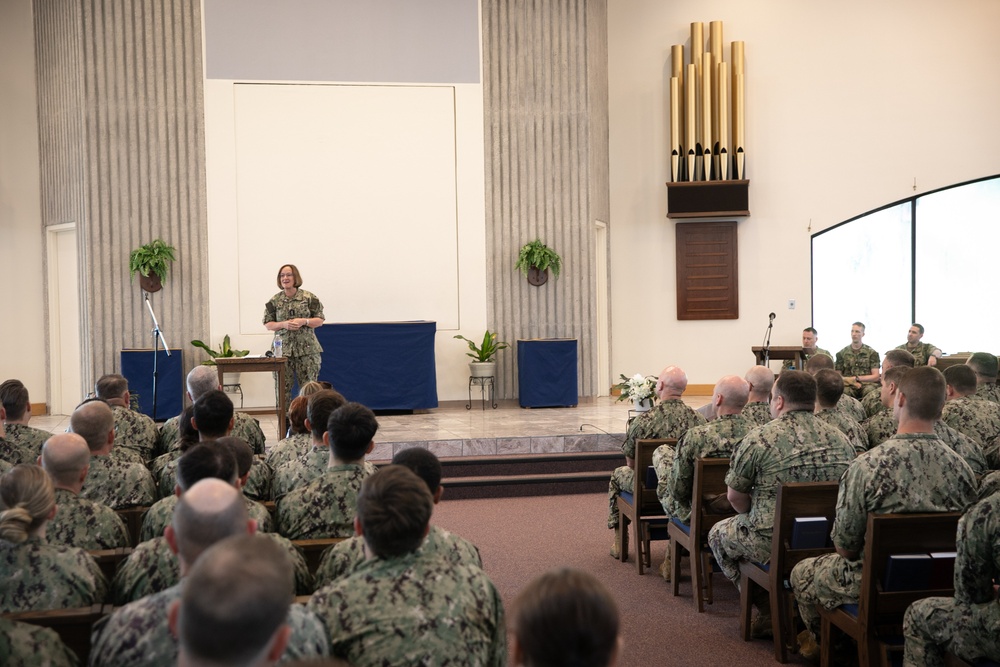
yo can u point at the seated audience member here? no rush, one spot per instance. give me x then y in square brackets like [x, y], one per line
[924, 354]
[717, 439]
[234, 610]
[23, 443]
[133, 430]
[985, 366]
[829, 389]
[113, 481]
[758, 408]
[794, 447]
[188, 437]
[38, 575]
[152, 567]
[78, 522]
[872, 402]
[565, 618]
[213, 417]
[671, 418]
[976, 418]
[29, 645]
[299, 440]
[964, 624]
[200, 380]
[915, 471]
[847, 403]
[809, 350]
[138, 633]
[326, 506]
[343, 558]
[311, 463]
[399, 608]
[859, 364]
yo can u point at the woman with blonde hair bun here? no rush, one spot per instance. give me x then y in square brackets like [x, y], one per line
[38, 575]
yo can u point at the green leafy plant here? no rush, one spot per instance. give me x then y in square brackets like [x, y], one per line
[487, 349]
[225, 351]
[151, 258]
[537, 254]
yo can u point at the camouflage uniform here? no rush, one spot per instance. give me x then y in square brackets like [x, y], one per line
[416, 609]
[757, 413]
[789, 365]
[117, 483]
[152, 567]
[288, 449]
[139, 635]
[989, 484]
[966, 624]
[23, 443]
[669, 419]
[913, 472]
[85, 524]
[5, 466]
[851, 362]
[881, 427]
[161, 514]
[258, 484]
[135, 431]
[245, 427]
[852, 407]
[300, 347]
[325, 507]
[978, 419]
[857, 436]
[796, 447]
[303, 470]
[872, 403]
[715, 440]
[29, 645]
[989, 391]
[38, 575]
[343, 558]
[921, 353]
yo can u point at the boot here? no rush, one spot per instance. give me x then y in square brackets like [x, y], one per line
[808, 648]
[665, 567]
[615, 551]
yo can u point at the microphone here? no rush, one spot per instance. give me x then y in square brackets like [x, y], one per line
[771, 317]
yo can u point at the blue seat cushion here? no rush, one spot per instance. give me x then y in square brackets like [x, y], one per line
[850, 609]
[627, 497]
[680, 524]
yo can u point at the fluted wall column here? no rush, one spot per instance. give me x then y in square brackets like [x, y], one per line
[121, 123]
[546, 115]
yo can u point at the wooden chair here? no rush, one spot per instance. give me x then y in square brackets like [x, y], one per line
[108, 560]
[641, 508]
[313, 550]
[72, 625]
[795, 499]
[878, 614]
[709, 481]
[132, 516]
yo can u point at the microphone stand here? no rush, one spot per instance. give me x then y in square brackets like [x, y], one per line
[767, 342]
[157, 337]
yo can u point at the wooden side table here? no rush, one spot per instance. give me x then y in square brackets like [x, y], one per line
[260, 365]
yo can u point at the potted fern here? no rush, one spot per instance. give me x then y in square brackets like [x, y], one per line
[150, 261]
[225, 351]
[535, 259]
[483, 364]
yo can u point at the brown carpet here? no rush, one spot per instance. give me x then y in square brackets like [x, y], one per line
[519, 538]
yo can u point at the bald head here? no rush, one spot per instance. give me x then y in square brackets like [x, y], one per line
[209, 511]
[760, 379]
[201, 380]
[730, 395]
[65, 456]
[672, 383]
[817, 363]
[94, 422]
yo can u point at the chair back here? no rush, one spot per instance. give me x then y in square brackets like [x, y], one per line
[797, 500]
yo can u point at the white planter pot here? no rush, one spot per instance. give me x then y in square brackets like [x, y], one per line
[645, 405]
[483, 369]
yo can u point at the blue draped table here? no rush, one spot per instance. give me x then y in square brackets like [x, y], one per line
[384, 365]
[546, 372]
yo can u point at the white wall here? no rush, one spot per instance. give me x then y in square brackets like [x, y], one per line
[847, 104]
[23, 333]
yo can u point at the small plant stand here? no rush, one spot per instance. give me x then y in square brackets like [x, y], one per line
[484, 382]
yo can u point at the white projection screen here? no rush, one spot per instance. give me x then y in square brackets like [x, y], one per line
[355, 185]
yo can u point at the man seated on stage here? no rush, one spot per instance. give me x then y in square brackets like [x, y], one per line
[924, 354]
[915, 471]
[757, 411]
[847, 404]
[200, 380]
[985, 366]
[809, 349]
[671, 418]
[23, 443]
[859, 364]
[829, 388]
[976, 418]
[133, 430]
[794, 447]
[872, 402]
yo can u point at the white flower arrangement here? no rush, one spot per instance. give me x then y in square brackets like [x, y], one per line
[637, 388]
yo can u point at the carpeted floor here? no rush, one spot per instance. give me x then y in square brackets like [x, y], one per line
[520, 538]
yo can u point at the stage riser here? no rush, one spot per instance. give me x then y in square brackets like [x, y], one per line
[511, 446]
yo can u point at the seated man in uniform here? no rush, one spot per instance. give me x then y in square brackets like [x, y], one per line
[924, 354]
[809, 349]
[24, 443]
[985, 366]
[758, 408]
[133, 430]
[829, 389]
[859, 364]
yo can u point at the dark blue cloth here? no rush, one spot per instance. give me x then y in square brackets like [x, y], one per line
[546, 372]
[137, 367]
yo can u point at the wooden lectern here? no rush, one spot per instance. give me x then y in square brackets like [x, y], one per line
[780, 353]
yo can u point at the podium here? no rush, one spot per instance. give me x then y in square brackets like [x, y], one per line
[780, 353]
[546, 373]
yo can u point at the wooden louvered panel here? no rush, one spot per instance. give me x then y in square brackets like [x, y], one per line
[707, 278]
